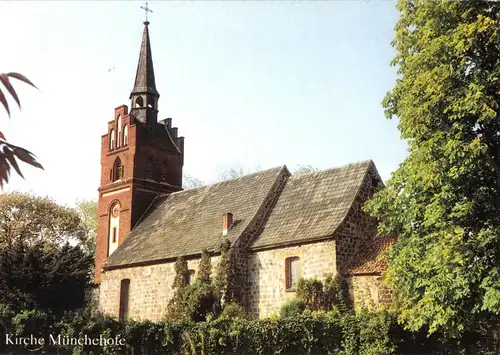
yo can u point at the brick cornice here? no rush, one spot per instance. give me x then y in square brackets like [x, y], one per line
[152, 186]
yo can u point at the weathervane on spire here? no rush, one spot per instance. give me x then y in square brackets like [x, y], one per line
[146, 10]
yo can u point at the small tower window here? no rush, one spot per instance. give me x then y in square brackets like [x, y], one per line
[149, 167]
[117, 169]
[114, 227]
[164, 171]
[111, 139]
[119, 131]
[139, 102]
[125, 135]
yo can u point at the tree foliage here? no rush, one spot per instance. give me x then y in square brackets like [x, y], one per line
[304, 169]
[204, 268]
[9, 152]
[443, 202]
[87, 210]
[32, 218]
[36, 277]
[224, 271]
[207, 296]
[176, 309]
[323, 295]
[191, 182]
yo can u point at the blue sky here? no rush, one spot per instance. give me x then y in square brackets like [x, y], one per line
[248, 84]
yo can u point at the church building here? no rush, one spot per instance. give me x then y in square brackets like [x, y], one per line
[281, 226]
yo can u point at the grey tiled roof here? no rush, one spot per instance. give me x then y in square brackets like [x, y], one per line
[312, 205]
[184, 223]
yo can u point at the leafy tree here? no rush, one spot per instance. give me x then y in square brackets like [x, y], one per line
[191, 182]
[204, 268]
[222, 275]
[304, 169]
[8, 151]
[36, 277]
[31, 219]
[181, 274]
[88, 214]
[443, 202]
[176, 309]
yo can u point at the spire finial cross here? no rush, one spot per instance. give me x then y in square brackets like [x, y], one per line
[146, 10]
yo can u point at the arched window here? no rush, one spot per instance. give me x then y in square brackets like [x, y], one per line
[114, 227]
[139, 102]
[117, 169]
[292, 272]
[150, 167]
[111, 139]
[125, 135]
[164, 171]
[119, 131]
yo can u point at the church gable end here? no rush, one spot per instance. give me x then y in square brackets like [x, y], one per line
[186, 222]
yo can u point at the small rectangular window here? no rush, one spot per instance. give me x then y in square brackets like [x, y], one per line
[292, 272]
[124, 297]
[191, 276]
[114, 234]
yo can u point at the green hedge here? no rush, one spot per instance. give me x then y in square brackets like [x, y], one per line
[307, 333]
[367, 332]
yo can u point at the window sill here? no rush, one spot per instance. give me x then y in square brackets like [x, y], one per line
[291, 290]
[117, 150]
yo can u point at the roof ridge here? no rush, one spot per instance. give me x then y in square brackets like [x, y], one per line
[280, 167]
[359, 163]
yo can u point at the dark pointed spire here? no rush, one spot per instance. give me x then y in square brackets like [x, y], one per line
[145, 76]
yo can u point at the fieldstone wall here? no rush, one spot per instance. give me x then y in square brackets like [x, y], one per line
[266, 278]
[369, 291]
[150, 289]
[358, 226]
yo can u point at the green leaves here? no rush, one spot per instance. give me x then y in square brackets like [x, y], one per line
[444, 200]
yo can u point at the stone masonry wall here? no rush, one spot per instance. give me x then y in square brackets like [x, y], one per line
[358, 225]
[266, 278]
[368, 291]
[150, 289]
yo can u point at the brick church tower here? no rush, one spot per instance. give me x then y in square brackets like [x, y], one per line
[140, 159]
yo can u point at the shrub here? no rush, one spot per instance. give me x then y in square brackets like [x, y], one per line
[233, 311]
[311, 292]
[292, 308]
[326, 295]
[200, 300]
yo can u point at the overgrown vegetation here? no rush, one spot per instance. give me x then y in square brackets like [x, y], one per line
[311, 332]
[443, 202]
[205, 296]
